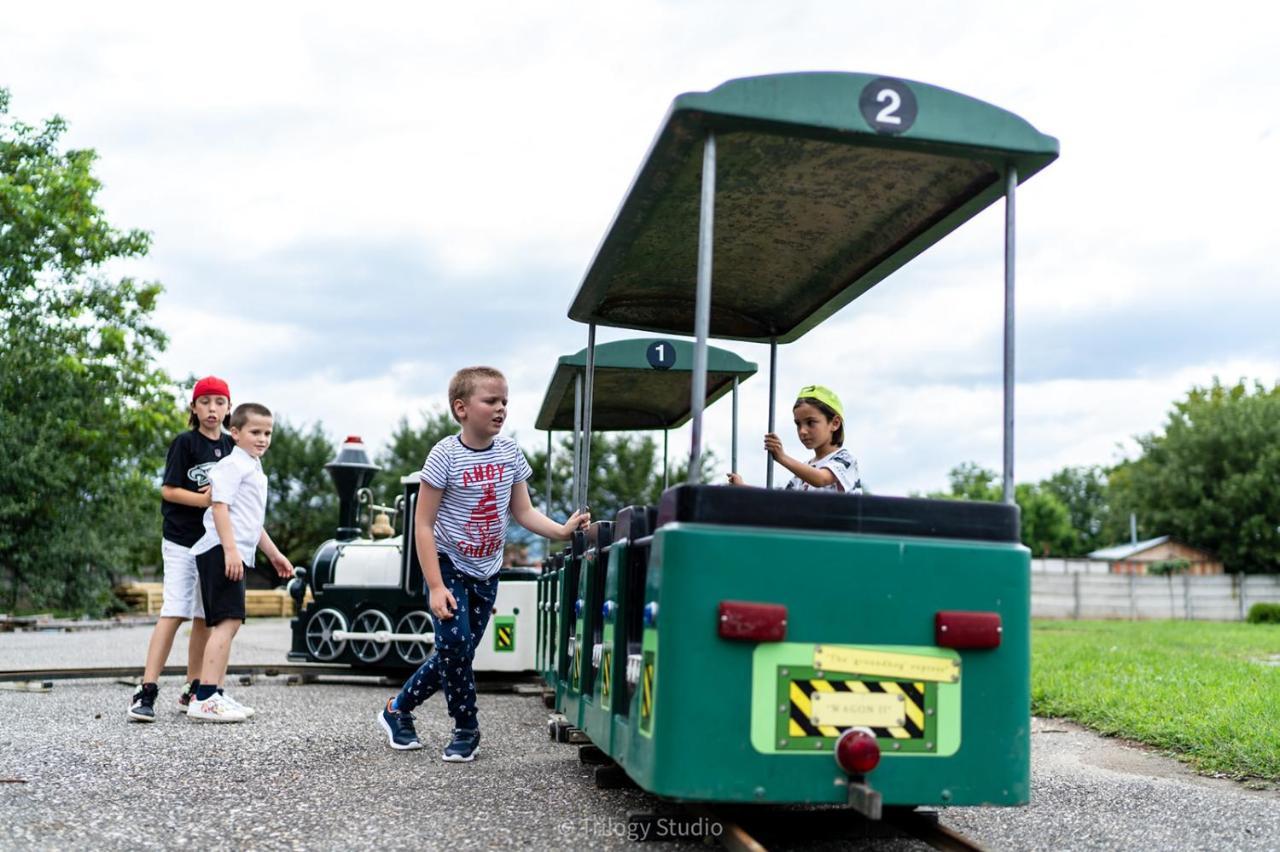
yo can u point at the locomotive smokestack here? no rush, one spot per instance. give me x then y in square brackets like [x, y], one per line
[351, 470]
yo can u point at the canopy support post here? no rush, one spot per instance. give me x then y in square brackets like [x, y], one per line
[586, 416]
[1010, 186]
[666, 433]
[702, 306]
[577, 442]
[773, 403]
[546, 499]
[733, 442]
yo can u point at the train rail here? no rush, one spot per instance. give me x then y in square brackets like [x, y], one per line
[746, 830]
[306, 672]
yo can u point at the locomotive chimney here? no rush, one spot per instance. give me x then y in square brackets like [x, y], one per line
[351, 470]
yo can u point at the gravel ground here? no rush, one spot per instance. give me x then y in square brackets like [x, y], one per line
[312, 771]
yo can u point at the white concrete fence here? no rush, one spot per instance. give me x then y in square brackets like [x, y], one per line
[1085, 593]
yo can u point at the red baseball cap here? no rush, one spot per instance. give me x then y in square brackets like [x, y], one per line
[211, 386]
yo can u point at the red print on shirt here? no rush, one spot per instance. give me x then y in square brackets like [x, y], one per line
[484, 528]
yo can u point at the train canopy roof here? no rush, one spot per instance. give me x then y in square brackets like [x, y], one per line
[631, 392]
[825, 184]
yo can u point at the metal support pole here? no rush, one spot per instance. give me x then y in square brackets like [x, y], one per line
[702, 305]
[733, 441]
[1010, 186]
[773, 403]
[546, 498]
[576, 491]
[666, 433]
[586, 415]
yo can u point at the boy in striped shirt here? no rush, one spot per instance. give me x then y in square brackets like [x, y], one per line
[470, 482]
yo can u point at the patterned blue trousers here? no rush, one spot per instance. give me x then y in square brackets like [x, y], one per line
[449, 666]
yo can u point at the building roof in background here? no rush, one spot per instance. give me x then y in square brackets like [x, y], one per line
[1124, 551]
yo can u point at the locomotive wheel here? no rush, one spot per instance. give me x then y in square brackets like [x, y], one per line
[414, 653]
[320, 641]
[368, 651]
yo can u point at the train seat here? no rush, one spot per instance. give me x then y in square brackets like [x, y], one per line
[827, 511]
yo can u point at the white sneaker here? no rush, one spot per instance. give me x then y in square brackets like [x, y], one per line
[243, 708]
[215, 709]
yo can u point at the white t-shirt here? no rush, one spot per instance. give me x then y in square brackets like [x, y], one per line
[239, 482]
[842, 464]
[471, 526]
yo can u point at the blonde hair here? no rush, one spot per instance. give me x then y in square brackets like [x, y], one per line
[463, 384]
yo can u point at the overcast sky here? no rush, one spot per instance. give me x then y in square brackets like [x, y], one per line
[348, 202]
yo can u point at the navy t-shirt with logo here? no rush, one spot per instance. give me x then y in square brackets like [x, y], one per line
[190, 456]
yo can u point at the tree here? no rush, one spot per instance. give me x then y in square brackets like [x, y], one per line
[1212, 478]
[1045, 521]
[303, 508]
[1083, 490]
[85, 417]
[407, 449]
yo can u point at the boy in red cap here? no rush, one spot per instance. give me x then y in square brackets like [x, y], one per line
[184, 497]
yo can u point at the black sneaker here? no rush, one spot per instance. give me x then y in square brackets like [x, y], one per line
[143, 707]
[464, 748]
[188, 693]
[399, 727]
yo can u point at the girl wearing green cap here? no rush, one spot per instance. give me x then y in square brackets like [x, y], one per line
[819, 421]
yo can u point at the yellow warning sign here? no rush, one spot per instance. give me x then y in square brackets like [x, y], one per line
[577, 665]
[605, 672]
[506, 637]
[834, 658]
[867, 709]
[821, 707]
[646, 692]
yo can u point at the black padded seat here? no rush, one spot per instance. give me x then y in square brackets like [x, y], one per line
[825, 510]
[634, 522]
[599, 535]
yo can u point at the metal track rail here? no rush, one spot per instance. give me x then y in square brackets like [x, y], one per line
[488, 682]
[747, 829]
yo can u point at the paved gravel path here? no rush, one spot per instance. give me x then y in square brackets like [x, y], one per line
[312, 771]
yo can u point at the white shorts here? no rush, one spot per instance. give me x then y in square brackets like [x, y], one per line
[181, 582]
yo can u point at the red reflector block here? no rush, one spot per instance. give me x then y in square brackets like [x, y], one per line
[752, 622]
[857, 751]
[953, 629]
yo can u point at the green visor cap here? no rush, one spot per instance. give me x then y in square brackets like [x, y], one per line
[824, 395]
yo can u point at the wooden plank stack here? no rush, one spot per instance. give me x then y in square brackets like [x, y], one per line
[149, 597]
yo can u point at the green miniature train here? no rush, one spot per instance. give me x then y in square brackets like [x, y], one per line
[759, 646]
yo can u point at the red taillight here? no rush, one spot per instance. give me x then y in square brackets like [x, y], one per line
[967, 629]
[857, 751]
[752, 622]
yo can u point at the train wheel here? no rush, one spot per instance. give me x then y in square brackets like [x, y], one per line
[320, 629]
[414, 653]
[370, 651]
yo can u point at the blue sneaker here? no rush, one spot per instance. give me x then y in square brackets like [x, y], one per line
[399, 727]
[464, 748]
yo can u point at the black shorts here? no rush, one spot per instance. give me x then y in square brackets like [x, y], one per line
[223, 598]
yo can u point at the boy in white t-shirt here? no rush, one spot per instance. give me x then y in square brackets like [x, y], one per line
[470, 482]
[232, 533]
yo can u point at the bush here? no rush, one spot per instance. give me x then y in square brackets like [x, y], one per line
[1264, 613]
[1168, 566]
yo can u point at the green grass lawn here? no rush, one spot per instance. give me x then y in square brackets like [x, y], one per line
[1189, 687]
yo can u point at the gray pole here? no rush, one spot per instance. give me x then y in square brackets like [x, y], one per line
[575, 492]
[546, 498]
[733, 442]
[702, 306]
[666, 433]
[586, 414]
[773, 403]
[1011, 184]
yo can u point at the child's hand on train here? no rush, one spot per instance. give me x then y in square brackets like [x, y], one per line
[735, 479]
[773, 444]
[443, 604]
[577, 521]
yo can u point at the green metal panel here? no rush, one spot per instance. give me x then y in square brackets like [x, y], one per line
[815, 204]
[841, 590]
[632, 394]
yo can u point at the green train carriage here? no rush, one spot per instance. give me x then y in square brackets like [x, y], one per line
[810, 647]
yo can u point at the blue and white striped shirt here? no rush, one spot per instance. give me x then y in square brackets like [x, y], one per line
[471, 526]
